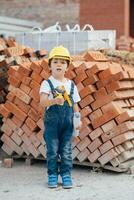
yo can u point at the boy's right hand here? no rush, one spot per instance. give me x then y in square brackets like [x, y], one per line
[59, 100]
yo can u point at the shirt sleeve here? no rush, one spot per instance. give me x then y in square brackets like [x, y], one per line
[76, 96]
[44, 88]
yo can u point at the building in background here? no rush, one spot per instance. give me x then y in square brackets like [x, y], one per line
[109, 14]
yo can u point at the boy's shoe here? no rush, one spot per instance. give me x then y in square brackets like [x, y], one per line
[67, 181]
[52, 181]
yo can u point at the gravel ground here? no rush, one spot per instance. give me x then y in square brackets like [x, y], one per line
[30, 183]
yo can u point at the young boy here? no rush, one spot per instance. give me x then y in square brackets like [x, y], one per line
[58, 117]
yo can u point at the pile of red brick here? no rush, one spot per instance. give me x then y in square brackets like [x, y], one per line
[106, 90]
[124, 43]
[11, 53]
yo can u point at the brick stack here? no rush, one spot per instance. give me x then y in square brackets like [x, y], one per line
[11, 53]
[124, 43]
[106, 90]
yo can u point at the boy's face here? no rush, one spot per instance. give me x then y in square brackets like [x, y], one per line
[58, 66]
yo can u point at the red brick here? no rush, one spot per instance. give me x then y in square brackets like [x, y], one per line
[25, 88]
[108, 126]
[34, 85]
[4, 111]
[26, 80]
[106, 147]
[97, 113]
[33, 114]
[33, 150]
[79, 67]
[14, 51]
[100, 93]
[23, 106]
[122, 138]
[125, 116]
[128, 145]
[83, 143]
[45, 66]
[117, 130]
[103, 100]
[80, 78]
[27, 130]
[36, 77]
[94, 56]
[40, 124]
[7, 149]
[97, 67]
[80, 86]
[105, 118]
[85, 111]
[35, 95]
[84, 132]
[17, 121]
[20, 94]
[16, 111]
[18, 131]
[35, 66]
[25, 149]
[31, 124]
[75, 152]
[10, 96]
[94, 145]
[45, 75]
[87, 90]
[90, 80]
[16, 139]
[94, 156]
[11, 124]
[82, 156]
[125, 94]
[24, 69]
[111, 106]
[86, 101]
[105, 158]
[85, 121]
[14, 81]
[34, 140]
[7, 140]
[96, 133]
[25, 139]
[39, 135]
[6, 129]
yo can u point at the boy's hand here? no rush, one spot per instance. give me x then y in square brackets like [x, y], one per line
[59, 100]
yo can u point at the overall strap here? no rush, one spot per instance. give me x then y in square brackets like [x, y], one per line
[72, 89]
[51, 86]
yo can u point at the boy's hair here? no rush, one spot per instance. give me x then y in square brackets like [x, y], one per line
[49, 62]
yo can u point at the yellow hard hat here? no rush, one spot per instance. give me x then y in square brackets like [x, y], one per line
[60, 52]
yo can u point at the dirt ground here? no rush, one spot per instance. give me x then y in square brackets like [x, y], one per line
[30, 183]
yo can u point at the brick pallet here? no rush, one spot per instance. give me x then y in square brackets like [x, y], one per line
[107, 110]
[12, 54]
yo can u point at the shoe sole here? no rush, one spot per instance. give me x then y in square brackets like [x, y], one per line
[52, 186]
[67, 187]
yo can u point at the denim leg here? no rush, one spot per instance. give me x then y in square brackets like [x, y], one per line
[52, 144]
[65, 149]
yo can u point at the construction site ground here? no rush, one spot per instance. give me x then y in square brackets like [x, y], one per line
[25, 182]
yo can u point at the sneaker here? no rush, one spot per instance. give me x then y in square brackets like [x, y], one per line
[67, 181]
[52, 181]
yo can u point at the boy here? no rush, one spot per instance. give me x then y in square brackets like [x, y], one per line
[58, 117]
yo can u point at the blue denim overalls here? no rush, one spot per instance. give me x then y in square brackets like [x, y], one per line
[58, 122]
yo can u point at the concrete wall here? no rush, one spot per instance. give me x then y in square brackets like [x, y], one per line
[45, 11]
